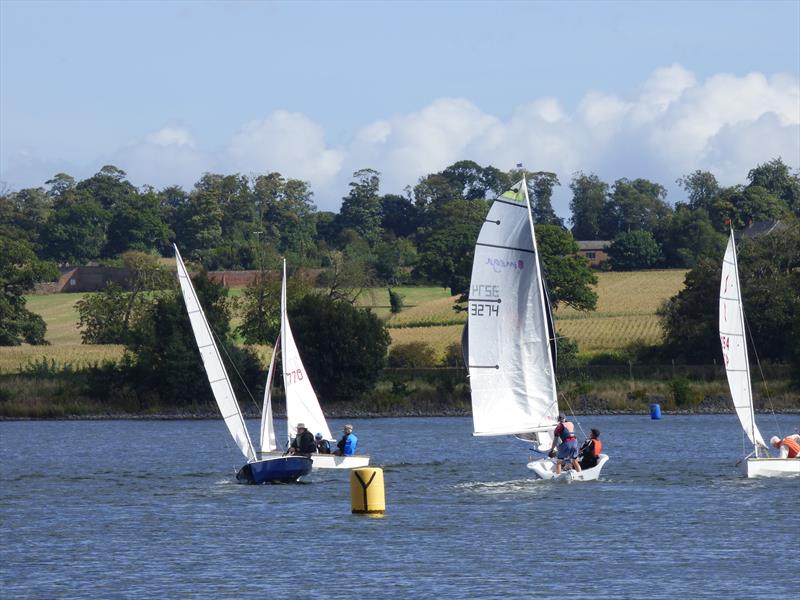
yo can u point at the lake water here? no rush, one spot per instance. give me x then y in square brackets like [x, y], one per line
[150, 509]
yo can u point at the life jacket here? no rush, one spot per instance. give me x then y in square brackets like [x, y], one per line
[567, 431]
[598, 447]
[350, 444]
[792, 446]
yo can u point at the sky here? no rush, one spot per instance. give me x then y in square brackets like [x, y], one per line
[317, 90]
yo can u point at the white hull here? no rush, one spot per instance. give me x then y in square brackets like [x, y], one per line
[330, 461]
[545, 468]
[770, 467]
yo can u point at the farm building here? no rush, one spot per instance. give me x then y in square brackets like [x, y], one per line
[594, 250]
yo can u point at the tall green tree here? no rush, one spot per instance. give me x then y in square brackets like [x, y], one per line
[588, 200]
[632, 205]
[445, 253]
[776, 177]
[162, 356]
[701, 188]
[136, 224]
[632, 250]
[20, 269]
[109, 316]
[343, 347]
[568, 275]
[543, 183]
[361, 208]
[75, 232]
[769, 271]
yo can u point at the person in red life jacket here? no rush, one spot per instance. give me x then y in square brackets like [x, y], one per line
[590, 451]
[564, 438]
[789, 446]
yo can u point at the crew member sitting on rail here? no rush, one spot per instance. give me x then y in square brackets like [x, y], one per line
[347, 445]
[590, 451]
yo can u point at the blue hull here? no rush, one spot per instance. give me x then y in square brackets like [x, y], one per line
[285, 469]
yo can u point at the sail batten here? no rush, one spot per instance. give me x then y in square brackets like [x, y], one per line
[212, 361]
[734, 344]
[511, 369]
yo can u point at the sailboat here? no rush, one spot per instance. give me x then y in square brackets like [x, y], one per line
[509, 342]
[302, 405]
[274, 469]
[737, 367]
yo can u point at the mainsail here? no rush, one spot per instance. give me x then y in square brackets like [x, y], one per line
[268, 441]
[734, 344]
[212, 361]
[512, 377]
[302, 405]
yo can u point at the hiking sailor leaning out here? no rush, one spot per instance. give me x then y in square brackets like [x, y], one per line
[789, 446]
[564, 438]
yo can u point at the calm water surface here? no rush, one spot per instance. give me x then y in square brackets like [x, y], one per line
[150, 509]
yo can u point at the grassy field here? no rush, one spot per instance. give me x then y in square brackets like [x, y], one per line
[625, 314]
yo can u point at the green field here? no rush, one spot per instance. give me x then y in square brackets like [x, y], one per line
[625, 314]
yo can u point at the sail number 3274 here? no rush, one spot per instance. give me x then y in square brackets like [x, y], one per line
[478, 309]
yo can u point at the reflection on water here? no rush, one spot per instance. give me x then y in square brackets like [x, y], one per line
[152, 510]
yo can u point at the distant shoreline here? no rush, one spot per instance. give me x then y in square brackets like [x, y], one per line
[372, 415]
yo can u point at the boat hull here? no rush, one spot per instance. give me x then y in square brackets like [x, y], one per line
[330, 461]
[545, 468]
[770, 467]
[280, 469]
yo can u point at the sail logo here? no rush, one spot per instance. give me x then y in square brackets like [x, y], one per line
[502, 264]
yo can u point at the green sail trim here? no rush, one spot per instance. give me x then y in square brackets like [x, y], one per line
[514, 196]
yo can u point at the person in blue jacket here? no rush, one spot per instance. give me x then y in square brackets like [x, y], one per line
[347, 445]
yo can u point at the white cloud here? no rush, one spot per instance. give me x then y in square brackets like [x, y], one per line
[289, 143]
[726, 124]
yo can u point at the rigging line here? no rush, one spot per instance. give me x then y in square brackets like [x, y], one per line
[763, 379]
[235, 370]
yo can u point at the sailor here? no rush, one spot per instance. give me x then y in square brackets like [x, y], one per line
[789, 446]
[347, 445]
[590, 451]
[323, 445]
[303, 442]
[564, 437]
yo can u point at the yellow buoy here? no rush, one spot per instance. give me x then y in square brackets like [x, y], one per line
[366, 491]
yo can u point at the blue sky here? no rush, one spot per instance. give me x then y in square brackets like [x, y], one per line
[316, 90]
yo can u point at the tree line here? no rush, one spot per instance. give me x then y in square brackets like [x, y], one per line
[425, 235]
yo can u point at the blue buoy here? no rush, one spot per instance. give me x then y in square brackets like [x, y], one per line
[655, 411]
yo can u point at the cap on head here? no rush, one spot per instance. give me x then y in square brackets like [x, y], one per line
[774, 441]
[318, 436]
[301, 426]
[561, 416]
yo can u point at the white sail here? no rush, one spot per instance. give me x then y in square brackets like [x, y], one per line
[268, 441]
[212, 361]
[302, 405]
[734, 344]
[512, 377]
